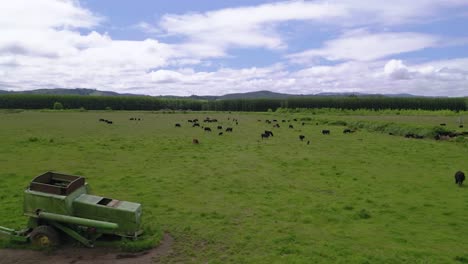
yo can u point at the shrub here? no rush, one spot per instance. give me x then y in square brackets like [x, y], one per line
[364, 214]
[58, 106]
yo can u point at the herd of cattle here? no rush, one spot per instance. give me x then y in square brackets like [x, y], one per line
[459, 175]
[196, 123]
[264, 135]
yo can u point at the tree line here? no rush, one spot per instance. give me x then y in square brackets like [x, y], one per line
[27, 101]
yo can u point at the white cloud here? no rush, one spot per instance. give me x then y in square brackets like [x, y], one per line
[395, 69]
[246, 26]
[256, 26]
[45, 14]
[364, 46]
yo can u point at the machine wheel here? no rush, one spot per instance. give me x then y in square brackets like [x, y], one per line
[45, 237]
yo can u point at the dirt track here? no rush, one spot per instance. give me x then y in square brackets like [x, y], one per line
[72, 255]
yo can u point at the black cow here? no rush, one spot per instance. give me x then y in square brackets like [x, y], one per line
[220, 127]
[301, 137]
[195, 141]
[190, 121]
[264, 135]
[308, 142]
[207, 129]
[303, 123]
[443, 124]
[460, 126]
[347, 131]
[131, 118]
[177, 125]
[220, 133]
[326, 132]
[459, 178]
[291, 126]
[276, 125]
[269, 133]
[229, 129]
[196, 125]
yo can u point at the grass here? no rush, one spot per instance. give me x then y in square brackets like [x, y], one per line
[358, 198]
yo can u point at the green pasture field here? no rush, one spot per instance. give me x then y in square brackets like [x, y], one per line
[365, 197]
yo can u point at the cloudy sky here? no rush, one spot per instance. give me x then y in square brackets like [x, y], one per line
[184, 47]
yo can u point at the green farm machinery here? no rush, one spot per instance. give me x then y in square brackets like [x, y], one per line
[60, 205]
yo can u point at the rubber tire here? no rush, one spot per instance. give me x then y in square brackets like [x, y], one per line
[45, 237]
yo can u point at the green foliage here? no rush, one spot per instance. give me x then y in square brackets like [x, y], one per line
[58, 106]
[364, 214]
[30, 101]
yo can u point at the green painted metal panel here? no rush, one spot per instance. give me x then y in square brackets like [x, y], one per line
[126, 214]
[77, 220]
[58, 204]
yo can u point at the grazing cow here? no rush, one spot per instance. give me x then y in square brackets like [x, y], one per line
[268, 132]
[220, 127]
[459, 178]
[195, 120]
[109, 122]
[229, 129]
[283, 120]
[190, 121]
[295, 119]
[220, 133]
[409, 135]
[391, 134]
[196, 125]
[303, 123]
[237, 123]
[291, 126]
[276, 125]
[195, 141]
[443, 124]
[326, 132]
[274, 120]
[139, 119]
[101, 120]
[301, 137]
[207, 129]
[268, 121]
[460, 126]
[264, 135]
[131, 118]
[177, 125]
[347, 131]
[308, 142]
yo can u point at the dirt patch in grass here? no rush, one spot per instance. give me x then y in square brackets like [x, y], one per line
[74, 255]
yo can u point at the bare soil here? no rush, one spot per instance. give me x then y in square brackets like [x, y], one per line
[73, 255]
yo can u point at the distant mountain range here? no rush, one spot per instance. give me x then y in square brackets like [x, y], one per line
[248, 95]
[63, 91]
